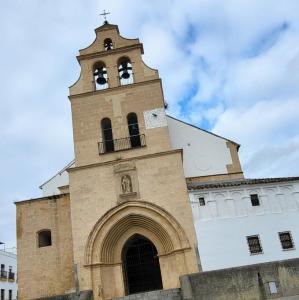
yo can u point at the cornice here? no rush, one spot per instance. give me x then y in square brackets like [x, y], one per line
[117, 161]
[112, 89]
[110, 52]
[53, 198]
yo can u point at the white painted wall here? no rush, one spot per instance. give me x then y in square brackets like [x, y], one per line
[228, 217]
[51, 186]
[9, 259]
[203, 152]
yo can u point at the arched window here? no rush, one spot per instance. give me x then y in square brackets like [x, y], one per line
[44, 238]
[108, 45]
[107, 136]
[125, 71]
[100, 76]
[133, 130]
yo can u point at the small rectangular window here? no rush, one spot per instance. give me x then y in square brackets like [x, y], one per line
[201, 201]
[255, 201]
[272, 287]
[286, 240]
[10, 295]
[44, 238]
[254, 244]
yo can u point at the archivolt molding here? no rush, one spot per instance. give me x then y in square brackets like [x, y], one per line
[110, 233]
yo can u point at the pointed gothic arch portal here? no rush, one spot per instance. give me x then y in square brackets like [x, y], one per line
[141, 265]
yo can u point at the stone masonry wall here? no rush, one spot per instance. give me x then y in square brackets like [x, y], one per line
[44, 271]
[249, 282]
[172, 294]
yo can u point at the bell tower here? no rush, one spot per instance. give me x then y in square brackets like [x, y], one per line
[128, 188]
[117, 103]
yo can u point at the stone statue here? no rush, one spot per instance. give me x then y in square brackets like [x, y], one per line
[126, 184]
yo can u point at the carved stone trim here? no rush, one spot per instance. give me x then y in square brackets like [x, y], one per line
[128, 195]
[124, 167]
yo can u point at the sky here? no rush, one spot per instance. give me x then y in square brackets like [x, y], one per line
[230, 67]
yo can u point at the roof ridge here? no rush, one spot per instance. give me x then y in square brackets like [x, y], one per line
[238, 182]
[59, 172]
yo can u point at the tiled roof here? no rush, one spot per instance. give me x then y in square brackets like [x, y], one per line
[237, 182]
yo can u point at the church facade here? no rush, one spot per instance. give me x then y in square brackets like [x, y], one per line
[119, 220]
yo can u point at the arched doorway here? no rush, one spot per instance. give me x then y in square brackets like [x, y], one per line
[141, 265]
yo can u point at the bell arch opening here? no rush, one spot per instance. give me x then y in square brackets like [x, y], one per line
[141, 267]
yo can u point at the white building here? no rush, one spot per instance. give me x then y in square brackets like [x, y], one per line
[243, 222]
[229, 212]
[8, 278]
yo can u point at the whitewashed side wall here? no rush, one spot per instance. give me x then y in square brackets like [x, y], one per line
[228, 217]
[204, 153]
[50, 187]
[9, 259]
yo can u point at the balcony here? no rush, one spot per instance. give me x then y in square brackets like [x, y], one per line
[3, 274]
[132, 142]
[11, 276]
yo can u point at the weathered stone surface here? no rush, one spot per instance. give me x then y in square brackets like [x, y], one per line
[248, 282]
[83, 295]
[172, 294]
[44, 271]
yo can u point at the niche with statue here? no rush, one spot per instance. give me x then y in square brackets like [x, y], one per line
[126, 182]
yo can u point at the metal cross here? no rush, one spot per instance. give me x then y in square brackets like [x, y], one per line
[104, 14]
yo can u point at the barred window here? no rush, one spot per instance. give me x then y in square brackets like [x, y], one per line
[255, 201]
[201, 201]
[286, 240]
[254, 244]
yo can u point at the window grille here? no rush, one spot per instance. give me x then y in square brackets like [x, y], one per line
[255, 201]
[201, 201]
[286, 240]
[254, 244]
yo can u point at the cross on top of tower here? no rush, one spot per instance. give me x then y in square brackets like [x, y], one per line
[104, 14]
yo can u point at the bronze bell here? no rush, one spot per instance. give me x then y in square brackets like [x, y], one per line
[101, 79]
[124, 69]
[125, 75]
[100, 76]
[108, 46]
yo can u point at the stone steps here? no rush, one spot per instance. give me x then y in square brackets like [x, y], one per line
[173, 294]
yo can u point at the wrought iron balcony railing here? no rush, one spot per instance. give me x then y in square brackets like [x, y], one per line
[3, 274]
[11, 276]
[132, 142]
